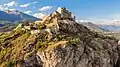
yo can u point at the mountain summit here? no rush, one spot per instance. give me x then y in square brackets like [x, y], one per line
[57, 41]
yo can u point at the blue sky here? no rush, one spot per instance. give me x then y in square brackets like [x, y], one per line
[92, 10]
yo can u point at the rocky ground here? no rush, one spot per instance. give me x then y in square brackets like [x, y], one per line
[57, 41]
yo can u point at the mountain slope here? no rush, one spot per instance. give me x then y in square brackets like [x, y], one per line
[28, 17]
[57, 41]
[112, 28]
[8, 17]
[94, 27]
[13, 16]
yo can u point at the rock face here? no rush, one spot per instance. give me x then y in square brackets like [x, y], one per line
[57, 41]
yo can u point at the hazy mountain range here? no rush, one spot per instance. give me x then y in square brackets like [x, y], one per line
[102, 27]
[9, 19]
[94, 27]
[15, 16]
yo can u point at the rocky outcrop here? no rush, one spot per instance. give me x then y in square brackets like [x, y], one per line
[80, 55]
[57, 41]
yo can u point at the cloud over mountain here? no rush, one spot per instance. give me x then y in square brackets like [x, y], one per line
[35, 2]
[12, 3]
[28, 12]
[1, 7]
[39, 15]
[25, 5]
[45, 8]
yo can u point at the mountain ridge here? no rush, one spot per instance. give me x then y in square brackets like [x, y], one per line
[15, 15]
[94, 27]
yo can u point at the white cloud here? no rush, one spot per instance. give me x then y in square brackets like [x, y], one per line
[84, 21]
[115, 16]
[12, 3]
[109, 20]
[28, 4]
[45, 8]
[103, 21]
[28, 12]
[1, 7]
[34, 2]
[12, 9]
[39, 15]
[25, 5]
[6, 8]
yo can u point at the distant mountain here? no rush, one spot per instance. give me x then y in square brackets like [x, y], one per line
[9, 19]
[13, 16]
[1, 25]
[93, 26]
[112, 28]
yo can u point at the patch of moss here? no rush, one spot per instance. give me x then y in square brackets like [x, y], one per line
[10, 63]
[3, 37]
[19, 44]
[38, 45]
[4, 51]
[27, 55]
[6, 38]
[13, 50]
[74, 40]
[71, 39]
[42, 45]
[41, 26]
